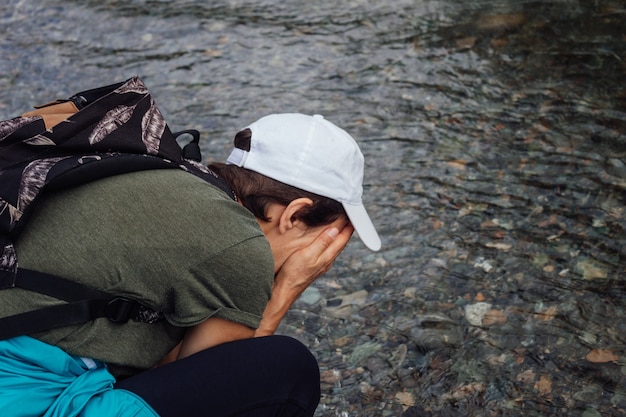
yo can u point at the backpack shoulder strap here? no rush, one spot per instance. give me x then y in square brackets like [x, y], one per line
[83, 304]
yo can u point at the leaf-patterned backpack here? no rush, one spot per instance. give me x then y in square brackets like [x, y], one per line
[97, 133]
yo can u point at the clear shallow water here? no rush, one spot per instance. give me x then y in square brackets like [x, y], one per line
[494, 135]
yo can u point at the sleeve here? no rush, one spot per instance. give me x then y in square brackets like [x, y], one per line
[234, 284]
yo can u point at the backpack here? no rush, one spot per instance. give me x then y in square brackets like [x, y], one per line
[94, 134]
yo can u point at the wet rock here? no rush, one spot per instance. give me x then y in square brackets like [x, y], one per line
[405, 398]
[544, 386]
[475, 313]
[311, 296]
[616, 167]
[547, 314]
[407, 378]
[501, 21]
[467, 42]
[435, 331]
[362, 352]
[344, 306]
[370, 393]
[330, 377]
[380, 370]
[484, 264]
[343, 341]
[494, 317]
[601, 356]
[591, 269]
[498, 360]
[619, 399]
[590, 393]
[410, 292]
[376, 365]
[526, 377]
[468, 390]
[591, 412]
[417, 411]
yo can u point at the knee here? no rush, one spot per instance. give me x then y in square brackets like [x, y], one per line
[297, 366]
[295, 356]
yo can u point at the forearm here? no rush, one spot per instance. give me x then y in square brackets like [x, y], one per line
[276, 309]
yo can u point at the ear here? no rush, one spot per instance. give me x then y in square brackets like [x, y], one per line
[287, 218]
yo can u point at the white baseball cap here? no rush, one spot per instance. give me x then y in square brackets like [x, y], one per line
[311, 153]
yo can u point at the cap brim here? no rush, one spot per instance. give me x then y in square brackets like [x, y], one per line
[363, 225]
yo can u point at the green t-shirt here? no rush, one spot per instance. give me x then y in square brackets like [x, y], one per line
[164, 237]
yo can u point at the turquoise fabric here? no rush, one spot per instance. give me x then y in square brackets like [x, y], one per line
[37, 379]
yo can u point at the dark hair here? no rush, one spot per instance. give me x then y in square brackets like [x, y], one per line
[256, 191]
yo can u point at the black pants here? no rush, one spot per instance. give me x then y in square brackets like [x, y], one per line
[266, 376]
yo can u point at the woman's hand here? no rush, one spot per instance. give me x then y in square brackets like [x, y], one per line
[301, 269]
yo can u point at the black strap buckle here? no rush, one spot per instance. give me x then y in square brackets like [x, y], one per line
[120, 310]
[192, 149]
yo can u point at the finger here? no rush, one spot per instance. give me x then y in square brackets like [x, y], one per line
[341, 222]
[342, 238]
[331, 242]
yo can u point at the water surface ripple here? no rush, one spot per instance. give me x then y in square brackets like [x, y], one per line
[494, 135]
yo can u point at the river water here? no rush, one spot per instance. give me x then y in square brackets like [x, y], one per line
[495, 143]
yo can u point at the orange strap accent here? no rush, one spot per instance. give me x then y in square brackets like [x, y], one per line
[54, 114]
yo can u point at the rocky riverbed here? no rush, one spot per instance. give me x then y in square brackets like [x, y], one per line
[494, 136]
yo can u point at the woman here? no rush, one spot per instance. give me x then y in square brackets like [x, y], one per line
[223, 274]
